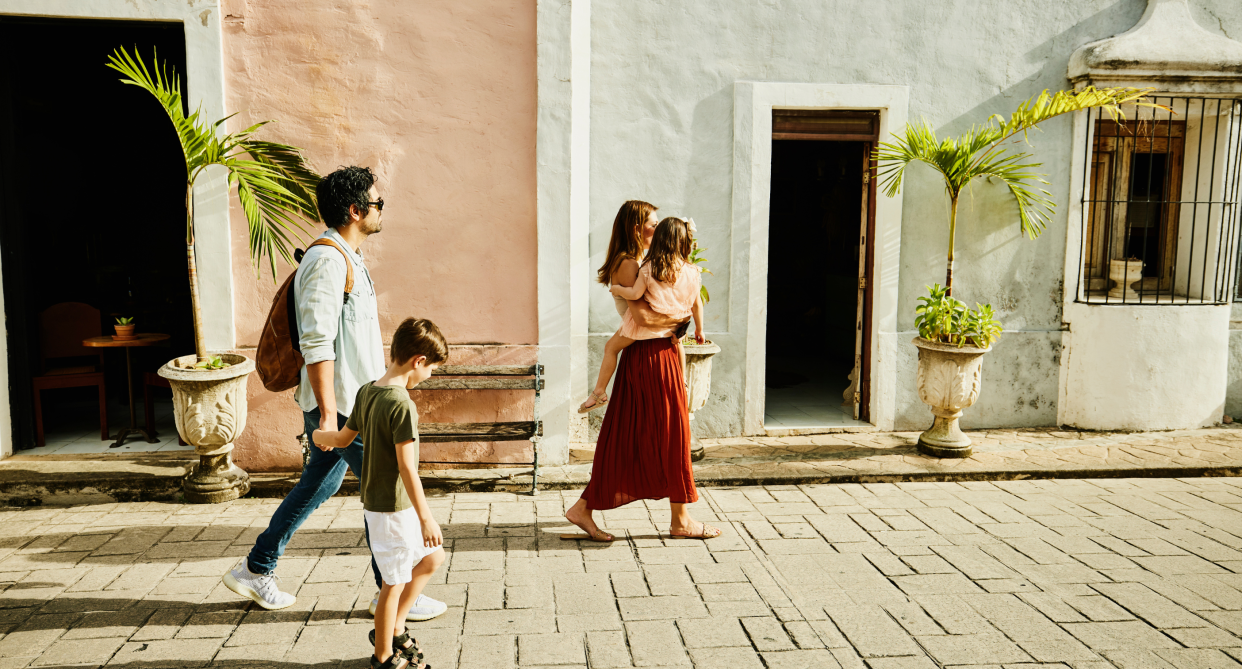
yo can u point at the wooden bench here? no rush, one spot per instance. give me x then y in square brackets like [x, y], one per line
[487, 377]
[480, 377]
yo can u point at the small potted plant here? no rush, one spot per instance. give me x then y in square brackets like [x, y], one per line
[124, 328]
[952, 340]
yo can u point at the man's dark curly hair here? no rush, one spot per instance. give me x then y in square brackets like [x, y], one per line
[344, 187]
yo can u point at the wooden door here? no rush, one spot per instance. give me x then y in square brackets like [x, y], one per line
[866, 287]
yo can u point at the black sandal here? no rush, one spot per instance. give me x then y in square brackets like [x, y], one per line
[404, 644]
[395, 661]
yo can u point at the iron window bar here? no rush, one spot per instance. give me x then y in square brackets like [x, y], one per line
[1160, 204]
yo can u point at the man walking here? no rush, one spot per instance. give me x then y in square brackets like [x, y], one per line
[340, 342]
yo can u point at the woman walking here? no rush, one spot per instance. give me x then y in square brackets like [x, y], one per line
[643, 451]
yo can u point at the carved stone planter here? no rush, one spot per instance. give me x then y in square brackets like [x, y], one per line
[210, 410]
[1125, 274]
[948, 381]
[698, 374]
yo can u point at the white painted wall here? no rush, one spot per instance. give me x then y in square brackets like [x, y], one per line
[663, 130]
[1145, 367]
[561, 155]
[205, 87]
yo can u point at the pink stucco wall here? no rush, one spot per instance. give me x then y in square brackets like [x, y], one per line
[438, 96]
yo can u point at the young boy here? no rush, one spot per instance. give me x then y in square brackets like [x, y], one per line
[405, 540]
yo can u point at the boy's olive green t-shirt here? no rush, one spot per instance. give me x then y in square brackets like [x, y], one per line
[383, 416]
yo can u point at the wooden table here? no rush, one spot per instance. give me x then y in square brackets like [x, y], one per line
[144, 339]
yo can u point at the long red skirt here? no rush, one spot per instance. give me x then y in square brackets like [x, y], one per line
[643, 451]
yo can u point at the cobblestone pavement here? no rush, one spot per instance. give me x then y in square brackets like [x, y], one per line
[1132, 573]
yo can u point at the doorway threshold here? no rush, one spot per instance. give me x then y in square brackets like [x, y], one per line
[789, 421]
[774, 431]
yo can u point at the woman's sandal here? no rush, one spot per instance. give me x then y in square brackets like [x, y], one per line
[403, 644]
[705, 532]
[600, 401]
[599, 536]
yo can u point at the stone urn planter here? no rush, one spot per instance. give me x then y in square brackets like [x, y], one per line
[698, 374]
[1125, 274]
[948, 381]
[210, 410]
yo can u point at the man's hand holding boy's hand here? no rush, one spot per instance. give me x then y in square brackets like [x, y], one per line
[432, 536]
[324, 439]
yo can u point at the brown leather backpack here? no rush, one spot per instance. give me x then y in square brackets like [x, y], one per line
[279, 358]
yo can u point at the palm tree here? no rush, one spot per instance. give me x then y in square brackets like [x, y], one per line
[983, 152]
[274, 184]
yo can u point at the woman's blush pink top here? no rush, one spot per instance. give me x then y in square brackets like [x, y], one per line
[674, 300]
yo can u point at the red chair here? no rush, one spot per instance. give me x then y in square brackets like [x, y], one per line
[152, 380]
[62, 327]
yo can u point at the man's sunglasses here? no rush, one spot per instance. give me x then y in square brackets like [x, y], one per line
[378, 204]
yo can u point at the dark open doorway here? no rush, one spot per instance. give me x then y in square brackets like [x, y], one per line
[816, 234]
[91, 203]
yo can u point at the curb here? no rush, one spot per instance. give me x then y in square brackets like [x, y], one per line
[519, 481]
[88, 489]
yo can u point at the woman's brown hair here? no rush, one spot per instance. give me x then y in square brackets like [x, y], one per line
[670, 249]
[627, 237]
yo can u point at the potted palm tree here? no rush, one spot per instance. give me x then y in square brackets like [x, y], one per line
[276, 189]
[952, 340]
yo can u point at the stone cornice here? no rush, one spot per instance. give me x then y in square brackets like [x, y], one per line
[1166, 50]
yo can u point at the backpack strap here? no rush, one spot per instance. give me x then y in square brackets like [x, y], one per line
[349, 264]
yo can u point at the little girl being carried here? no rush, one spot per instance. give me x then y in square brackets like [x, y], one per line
[670, 284]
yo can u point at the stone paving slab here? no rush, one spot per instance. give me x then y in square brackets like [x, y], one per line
[1077, 574]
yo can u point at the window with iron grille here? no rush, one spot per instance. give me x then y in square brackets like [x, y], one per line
[1160, 212]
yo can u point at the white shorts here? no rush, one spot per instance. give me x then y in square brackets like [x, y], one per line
[396, 543]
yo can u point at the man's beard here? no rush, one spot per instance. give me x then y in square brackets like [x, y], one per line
[370, 229]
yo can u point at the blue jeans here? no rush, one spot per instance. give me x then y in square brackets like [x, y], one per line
[321, 479]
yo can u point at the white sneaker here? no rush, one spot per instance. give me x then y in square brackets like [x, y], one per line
[261, 588]
[425, 608]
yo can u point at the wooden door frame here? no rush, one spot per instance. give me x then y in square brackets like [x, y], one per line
[861, 126]
[864, 375]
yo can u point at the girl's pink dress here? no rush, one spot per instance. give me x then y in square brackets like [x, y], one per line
[674, 300]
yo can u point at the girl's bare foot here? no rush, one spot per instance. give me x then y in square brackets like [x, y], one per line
[580, 515]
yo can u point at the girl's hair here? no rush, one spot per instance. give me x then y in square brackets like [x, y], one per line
[670, 249]
[627, 237]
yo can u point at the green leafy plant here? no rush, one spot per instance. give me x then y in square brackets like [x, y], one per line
[983, 151]
[212, 362]
[274, 184]
[697, 259]
[945, 319]
[125, 320]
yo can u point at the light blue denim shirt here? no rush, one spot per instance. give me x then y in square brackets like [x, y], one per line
[330, 328]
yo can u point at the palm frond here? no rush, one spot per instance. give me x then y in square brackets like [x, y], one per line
[982, 150]
[166, 88]
[274, 184]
